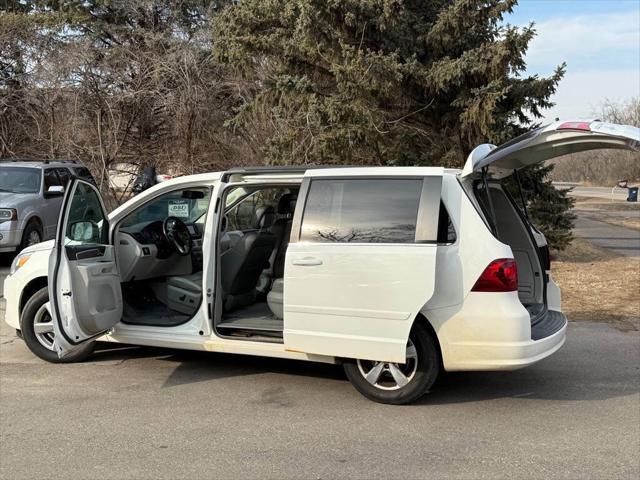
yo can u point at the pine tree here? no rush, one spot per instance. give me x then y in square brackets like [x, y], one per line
[386, 82]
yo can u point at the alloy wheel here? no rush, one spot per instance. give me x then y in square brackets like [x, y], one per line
[43, 327]
[33, 238]
[388, 375]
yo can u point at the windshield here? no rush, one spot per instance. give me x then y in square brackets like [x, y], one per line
[19, 179]
[189, 205]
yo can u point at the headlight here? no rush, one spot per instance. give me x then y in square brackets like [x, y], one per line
[18, 262]
[8, 214]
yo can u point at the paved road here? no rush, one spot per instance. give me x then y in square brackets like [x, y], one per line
[151, 413]
[625, 241]
[600, 192]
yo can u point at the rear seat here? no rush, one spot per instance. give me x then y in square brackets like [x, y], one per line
[282, 229]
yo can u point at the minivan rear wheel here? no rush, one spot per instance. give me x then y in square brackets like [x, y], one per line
[36, 326]
[396, 383]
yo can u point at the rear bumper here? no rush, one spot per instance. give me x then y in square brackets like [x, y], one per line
[505, 355]
[493, 331]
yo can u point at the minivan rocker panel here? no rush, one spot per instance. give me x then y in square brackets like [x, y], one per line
[395, 272]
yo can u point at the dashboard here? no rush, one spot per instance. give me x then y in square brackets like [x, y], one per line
[144, 252]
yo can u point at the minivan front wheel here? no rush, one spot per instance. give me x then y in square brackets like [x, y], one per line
[399, 383]
[36, 327]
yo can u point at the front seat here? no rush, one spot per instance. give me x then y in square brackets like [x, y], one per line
[243, 263]
[184, 293]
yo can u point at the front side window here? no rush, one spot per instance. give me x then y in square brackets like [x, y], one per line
[63, 175]
[361, 211]
[86, 221]
[189, 205]
[20, 179]
[51, 179]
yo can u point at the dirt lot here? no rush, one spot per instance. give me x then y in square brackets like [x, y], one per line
[598, 285]
[624, 214]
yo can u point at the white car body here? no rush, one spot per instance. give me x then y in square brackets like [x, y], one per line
[356, 300]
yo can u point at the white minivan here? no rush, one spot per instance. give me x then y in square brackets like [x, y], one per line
[394, 272]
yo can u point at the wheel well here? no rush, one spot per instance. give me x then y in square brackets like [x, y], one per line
[420, 318]
[35, 220]
[32, 287]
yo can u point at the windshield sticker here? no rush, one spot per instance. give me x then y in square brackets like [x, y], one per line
[179, 208]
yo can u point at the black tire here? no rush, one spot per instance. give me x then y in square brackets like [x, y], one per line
[31, 230]
[30, 316]
[422, 377]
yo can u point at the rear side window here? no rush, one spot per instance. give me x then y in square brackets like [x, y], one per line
[446, 230]
[361, 211]
[84, 173]
[64, 176]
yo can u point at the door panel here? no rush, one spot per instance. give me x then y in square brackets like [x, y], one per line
[358, 299]
[85, 295]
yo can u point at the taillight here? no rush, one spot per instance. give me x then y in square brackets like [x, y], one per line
[575, 126]
[500, 276]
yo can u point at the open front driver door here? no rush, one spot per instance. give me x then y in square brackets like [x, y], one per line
[84, 284]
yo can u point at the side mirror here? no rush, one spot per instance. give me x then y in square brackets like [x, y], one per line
[54, 191]
[86, 232]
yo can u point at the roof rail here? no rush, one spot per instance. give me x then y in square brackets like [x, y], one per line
[16, 160]
[284, 169]
[36, 160]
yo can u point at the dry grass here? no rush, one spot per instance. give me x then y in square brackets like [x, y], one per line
[598, 285]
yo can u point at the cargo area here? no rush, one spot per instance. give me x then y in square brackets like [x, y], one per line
[510, 225]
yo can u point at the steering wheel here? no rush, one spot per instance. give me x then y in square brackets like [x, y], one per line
[178, 235]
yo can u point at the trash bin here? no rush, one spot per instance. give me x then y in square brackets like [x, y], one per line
[633, 194]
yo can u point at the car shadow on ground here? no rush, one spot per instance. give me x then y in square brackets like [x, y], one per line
[195, 366]
[552, 379]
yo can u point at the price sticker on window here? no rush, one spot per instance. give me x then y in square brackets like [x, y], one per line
[179, 208]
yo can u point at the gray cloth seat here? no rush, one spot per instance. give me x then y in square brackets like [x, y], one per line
[184, 293]
[275, 298]
[282, 230]
[242, 264]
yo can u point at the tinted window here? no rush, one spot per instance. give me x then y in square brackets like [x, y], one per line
[446, 230]
[361, 211]
[51, 179]
[84, 173]
[64, 176]
[19, 179]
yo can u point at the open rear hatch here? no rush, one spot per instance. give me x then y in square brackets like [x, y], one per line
[551, 141]
[488, 163]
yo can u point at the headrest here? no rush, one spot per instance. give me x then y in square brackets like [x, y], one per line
[287, 204]
[264, 217]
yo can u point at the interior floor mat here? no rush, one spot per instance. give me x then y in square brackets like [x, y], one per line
[141, 307]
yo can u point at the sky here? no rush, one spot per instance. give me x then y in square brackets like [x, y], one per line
[598, 39]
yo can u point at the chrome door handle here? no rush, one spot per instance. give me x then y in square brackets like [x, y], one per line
[307, 262]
